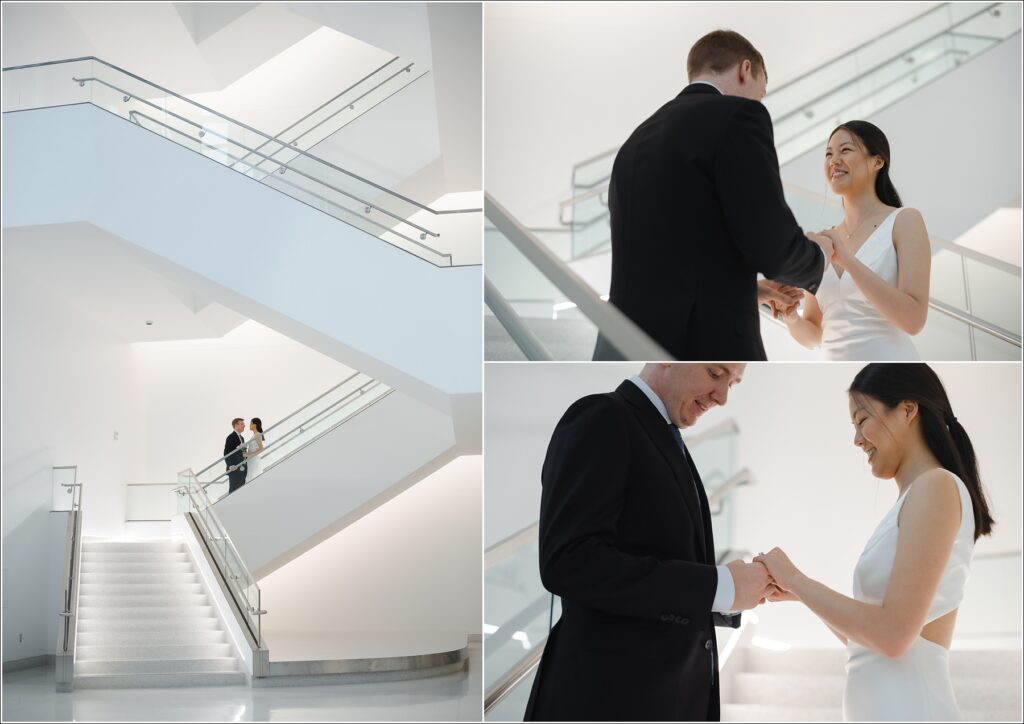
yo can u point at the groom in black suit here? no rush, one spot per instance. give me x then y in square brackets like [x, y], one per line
[626, 541]
[233, 447]
[697, 211]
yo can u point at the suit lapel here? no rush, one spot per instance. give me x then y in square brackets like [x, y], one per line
[705, 510]
[682, 468]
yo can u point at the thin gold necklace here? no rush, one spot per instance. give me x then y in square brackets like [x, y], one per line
[873, 227]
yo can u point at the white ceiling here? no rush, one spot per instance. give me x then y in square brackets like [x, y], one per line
[566, 81]
[106, 281]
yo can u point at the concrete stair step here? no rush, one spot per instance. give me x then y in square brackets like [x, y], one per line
[201, 622]
[144, 612]
[122, 568]
[132, 545]
[824, 691]
[151, 637]
[135, 578]
[140, 589]
[159, 680]
[157, 666]
[143, 600]
[170, 557]
[151, 651]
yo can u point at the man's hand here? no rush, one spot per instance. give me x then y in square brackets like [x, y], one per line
[753, 584]
[781, 298]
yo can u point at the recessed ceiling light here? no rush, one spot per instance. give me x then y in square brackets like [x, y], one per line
[149, 322]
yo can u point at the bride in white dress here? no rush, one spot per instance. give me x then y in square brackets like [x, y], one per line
[910, 578]
[253, 448]
[874, 294]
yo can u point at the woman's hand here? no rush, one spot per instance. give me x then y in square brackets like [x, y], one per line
[781, 569]
[776, 594]
[840, 248]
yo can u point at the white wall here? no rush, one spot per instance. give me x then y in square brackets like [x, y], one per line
[565, 81]
[814, 495]
[66, 390]
[974, 115]
[188, 391]
[265, 255]
[411, 565]
[296, 504]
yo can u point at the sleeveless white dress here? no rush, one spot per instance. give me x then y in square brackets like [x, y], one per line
[916, 686]
[852, 328]
[253, 465]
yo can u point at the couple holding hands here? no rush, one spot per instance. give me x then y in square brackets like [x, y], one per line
[626, 541]
[697, 212]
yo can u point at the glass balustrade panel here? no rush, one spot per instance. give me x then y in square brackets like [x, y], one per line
[565, 331]
[516, 612]
[995, 293]
[944, 338]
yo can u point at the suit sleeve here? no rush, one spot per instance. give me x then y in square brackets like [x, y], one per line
[750, 189]
[230, 443]
[585, 476]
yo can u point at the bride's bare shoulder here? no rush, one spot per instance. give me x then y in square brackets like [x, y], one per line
[933, 496]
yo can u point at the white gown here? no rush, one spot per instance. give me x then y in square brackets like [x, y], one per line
[253, 465]
[915, 686]
[852, 328]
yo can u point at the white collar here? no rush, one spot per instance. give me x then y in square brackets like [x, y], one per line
[707, 82]
[655, 400]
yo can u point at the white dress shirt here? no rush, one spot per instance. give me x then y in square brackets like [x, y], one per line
[725, 594]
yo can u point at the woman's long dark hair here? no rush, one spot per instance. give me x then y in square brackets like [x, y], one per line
[893, 383]
[877, 144]
[259, 426]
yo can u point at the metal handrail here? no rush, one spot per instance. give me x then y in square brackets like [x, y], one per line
[281, 421]
[204, 506]
[624, 335]
[510, 681]
[359, 391]
[721, 429]
[525, 339]
[937, 9]
[323, 105]
[247, 127]
[383, 227]
[65, 655]
[723, 491]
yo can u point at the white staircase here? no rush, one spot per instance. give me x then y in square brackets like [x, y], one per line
[145, 620]
[807, 685]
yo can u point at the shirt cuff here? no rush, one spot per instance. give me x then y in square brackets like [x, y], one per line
[725, 595]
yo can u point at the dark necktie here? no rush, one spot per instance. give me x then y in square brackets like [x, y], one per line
[682, 448]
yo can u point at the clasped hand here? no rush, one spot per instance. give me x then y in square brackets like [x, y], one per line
[768, 578]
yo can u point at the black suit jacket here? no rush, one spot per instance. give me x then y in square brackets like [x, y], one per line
[697, 211]
[625, 540]
[232, 443]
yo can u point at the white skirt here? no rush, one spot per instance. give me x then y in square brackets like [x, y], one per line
[914, 687]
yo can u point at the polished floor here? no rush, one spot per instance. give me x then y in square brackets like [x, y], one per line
[30, 696]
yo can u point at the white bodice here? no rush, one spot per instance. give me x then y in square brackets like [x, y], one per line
[852, 328]
[874, 568]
